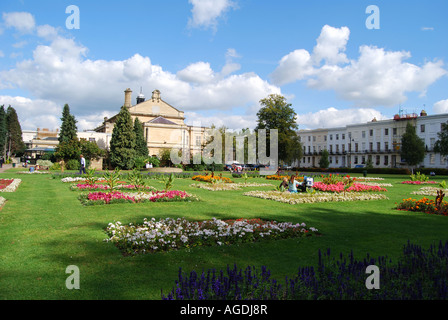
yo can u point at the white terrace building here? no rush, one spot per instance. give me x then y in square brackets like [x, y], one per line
[379, 141]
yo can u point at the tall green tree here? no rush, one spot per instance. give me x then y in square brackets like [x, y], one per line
[324, 162]
[122, 143]
[412, 147]
[141, 146]
[68, 126]
[15, 141]
[3, 131]
[276, 113]
[441, 145]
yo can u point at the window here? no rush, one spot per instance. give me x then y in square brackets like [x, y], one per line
[309, 138]
[314, 138]
[432, 158]
[343, 136]
[371, 146]
[363, 159]
[363, 134]
[386, 160]
[309, 149]
[422, 128]
[432, 142]
[337, 136]
[330, 159]
[356, 147]
[356, 160]
[314, 149]
[331, 148]
[378, 146]
[337, 160]
[325, 138]
[343, 148]
[92, 139]
[371, 132]
[331, 137]
[198, 140]
[386, 146]
[394, 131]
[386, 132]
[337, 148]
[378, 160]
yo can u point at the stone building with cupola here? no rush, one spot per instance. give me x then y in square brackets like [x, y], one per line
[164, 125]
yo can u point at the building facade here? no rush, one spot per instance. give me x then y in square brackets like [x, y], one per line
[163, 125]
[376, 141]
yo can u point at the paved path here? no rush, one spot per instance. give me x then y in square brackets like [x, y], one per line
[5, 167]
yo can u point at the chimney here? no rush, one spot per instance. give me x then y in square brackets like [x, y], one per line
[127, 98]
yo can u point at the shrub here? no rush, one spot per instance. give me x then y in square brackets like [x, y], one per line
[73, 164]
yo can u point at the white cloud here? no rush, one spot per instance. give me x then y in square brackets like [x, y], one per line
[377, 78]
[441, 106]
[332, 117]
[47, 32]
[61, 72]
[205, 13]
[22, 21]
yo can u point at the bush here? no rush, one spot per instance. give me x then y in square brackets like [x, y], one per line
[44, 163]
[73, 164]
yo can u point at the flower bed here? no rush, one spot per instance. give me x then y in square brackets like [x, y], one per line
[424, 205]
[280, 177]
[429, 191]
[170, 234]
[99, 187]
[419, 182]
[294, 198]
[100, 198]
[9, 185]
[229, 186]
[210, 178]
[339, 187]
[77, 179]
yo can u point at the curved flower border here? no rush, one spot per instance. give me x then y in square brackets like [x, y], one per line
[228, 186]
[13, 186]
[295, 198]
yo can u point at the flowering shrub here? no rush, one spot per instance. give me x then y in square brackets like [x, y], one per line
[339, 187]
[172, 234]
[211, 179]
[424, 205]
[294, 198]
[419, 274]
[9, 185]
[95, 198]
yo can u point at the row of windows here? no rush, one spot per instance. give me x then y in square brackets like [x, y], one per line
[376, 160]
[336, 136]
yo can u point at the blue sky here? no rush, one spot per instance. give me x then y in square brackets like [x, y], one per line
[215, 59]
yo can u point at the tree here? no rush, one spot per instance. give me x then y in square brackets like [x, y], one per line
[324, 162]
[141, 146]
[68, 126]
[90, 149]
[3, 131]
[276, 113]
[441, 145]
[412, 147]
[15, 141]
[122, 143]
[68, 150]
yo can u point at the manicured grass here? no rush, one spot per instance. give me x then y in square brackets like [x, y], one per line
[44, 229]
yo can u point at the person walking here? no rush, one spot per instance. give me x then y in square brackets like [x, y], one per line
[83, 165]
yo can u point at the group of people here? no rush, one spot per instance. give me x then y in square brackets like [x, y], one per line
[293, 185]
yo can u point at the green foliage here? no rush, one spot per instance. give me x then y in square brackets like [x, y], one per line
[3, 130]
[276, 113]
[90, 179]
[412, 146]
[90, 149]
[44, 163]
[136, 178]
[419, 177]
[122, 144]
[72, 164]
[442, 184]
[68, 150]
[68, 127]
[112, 178]
[441, 145]
[141, 147]
[15, 141]
[168, 181]
[324, 162]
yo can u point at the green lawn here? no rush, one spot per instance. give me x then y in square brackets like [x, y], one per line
[44, 229]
